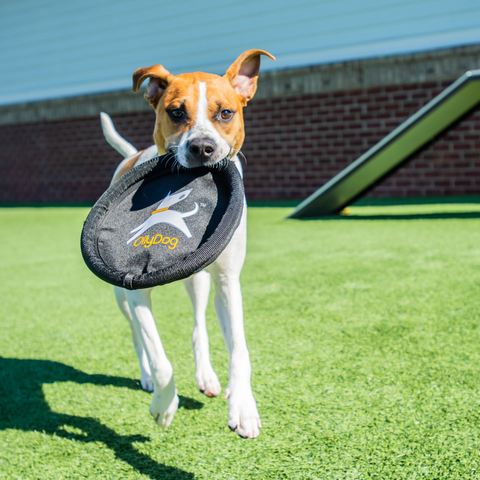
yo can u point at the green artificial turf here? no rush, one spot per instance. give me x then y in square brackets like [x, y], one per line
[364, 338]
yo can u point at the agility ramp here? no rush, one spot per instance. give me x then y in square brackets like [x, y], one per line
[396, 148]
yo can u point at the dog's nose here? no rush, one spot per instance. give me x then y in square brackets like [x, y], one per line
[201, 147]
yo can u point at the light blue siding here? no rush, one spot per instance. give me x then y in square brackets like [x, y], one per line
[53, 48]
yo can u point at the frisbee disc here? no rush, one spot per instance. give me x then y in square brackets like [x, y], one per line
[156, 225]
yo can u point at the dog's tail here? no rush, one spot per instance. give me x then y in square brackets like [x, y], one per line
[123, 147]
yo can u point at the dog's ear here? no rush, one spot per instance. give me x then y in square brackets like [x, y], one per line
[243, 73]
[159, 80]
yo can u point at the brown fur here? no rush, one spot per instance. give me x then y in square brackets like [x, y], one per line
[232, 91]
[127, 166]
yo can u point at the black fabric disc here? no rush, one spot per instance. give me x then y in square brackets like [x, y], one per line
[154, 225]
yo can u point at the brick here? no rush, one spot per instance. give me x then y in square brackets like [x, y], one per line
[293, 146]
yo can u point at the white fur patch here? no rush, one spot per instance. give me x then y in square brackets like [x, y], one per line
[202, 123]
[203, 127]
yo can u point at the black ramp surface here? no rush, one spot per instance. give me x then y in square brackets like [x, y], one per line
[397, 147]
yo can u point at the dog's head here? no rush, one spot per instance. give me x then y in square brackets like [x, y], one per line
[199, 115]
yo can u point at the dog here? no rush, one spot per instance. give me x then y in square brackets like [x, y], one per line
[199, 121]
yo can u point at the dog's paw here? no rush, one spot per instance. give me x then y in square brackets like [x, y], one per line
[147, 383]
[164, 405]
[243, 416]
[208, 382]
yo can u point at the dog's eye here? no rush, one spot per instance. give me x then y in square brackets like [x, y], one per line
[226, 114]
[177, 113]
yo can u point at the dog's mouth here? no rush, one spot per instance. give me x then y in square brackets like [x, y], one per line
[195, 163]
[195, 156]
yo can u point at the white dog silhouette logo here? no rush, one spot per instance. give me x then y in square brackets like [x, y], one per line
[163, 215]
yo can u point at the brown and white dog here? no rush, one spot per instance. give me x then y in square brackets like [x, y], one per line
[199, 121]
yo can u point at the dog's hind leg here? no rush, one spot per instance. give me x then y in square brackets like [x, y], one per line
[198, 288]
[165, 400]
[145, 378]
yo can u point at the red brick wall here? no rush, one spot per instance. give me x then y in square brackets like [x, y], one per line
[293, 146]
[65, 160]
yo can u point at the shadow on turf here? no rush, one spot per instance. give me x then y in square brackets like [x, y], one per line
[419, 216]
[23, 407]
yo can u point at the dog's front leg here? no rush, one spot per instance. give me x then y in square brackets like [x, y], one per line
[165, 399]
[243, 415]
[198, 288]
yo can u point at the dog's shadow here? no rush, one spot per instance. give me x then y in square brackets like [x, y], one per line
[23, 407]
